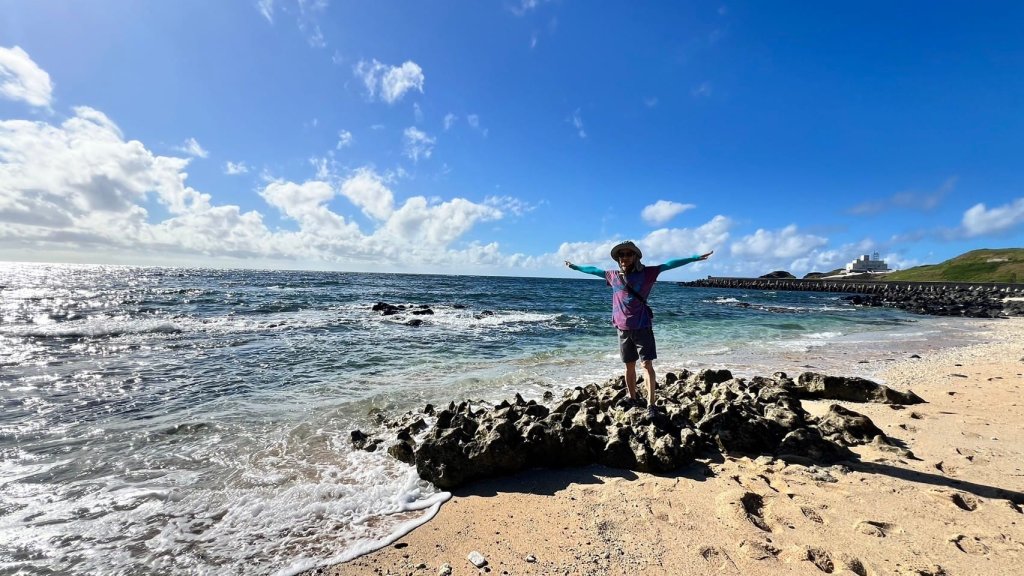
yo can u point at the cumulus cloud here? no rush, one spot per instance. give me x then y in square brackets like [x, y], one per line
[979, 220]
[418, 144]
[419, 223]
[662, 211]
[345, 139]
[192, 148]
[23, 80]
[235, 168]
[367, 190]
[659, 245]
[787, 243]
[389, 82]
[80, 186]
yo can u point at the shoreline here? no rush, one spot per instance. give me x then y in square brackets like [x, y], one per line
[951, 499]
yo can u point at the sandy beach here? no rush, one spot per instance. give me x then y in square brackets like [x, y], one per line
[948, 499]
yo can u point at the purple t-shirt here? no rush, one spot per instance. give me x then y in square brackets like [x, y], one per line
[628, 312]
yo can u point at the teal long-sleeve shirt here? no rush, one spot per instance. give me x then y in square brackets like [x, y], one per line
[674, 263]
[628, 311]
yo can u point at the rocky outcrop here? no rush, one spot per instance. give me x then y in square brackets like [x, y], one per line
[973, 300]
[706, 411]
[814, 386]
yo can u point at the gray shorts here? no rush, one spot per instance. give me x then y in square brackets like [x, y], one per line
[637, 344]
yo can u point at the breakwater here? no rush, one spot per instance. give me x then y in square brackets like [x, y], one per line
[971, 299]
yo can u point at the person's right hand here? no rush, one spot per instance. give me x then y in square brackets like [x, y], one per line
[569, 264]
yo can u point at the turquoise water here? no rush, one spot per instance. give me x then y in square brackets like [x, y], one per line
[173, 421]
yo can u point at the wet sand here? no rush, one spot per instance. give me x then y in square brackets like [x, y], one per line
[947, 499]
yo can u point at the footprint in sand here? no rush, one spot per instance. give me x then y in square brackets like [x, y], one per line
[821, 559]
[746, 505]
[874, 528]
[811, 515]
[717, 558]
[753, 506]
[758, 550]
[934, 570]
[961, 500]
[970, 545]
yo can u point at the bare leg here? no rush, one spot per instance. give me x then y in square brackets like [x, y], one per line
[649, 377]
[631, 379]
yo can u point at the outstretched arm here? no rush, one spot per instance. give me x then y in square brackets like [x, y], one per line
[586, 269]
[677, 262]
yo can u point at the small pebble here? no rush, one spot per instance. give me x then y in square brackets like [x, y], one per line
[531, 558]
[445, 570]
[477, 559]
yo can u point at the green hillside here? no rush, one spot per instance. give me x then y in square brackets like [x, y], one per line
[1000, 265]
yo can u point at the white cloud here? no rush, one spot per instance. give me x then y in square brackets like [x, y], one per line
[418, 144]
[366, 189]
[21, 79]
[81, 184]
[80, 188]
[522, 7]
[418, 223]
[266, 8]
[662, 211]
[979, 220]
[510, 205]
[235, 168]
[658, 246]
[192, 148]
[577, 122]
[702, 91]
[391, 82]
[449, 119]
[345, 139]
[651, 101]
[910, 199]
[786, 243]
[307, 204]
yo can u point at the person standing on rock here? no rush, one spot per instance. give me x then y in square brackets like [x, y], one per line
[631, 284]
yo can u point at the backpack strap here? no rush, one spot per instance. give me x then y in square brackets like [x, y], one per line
[637, 295]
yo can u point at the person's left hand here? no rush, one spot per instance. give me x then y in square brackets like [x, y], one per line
[569, 264]
[705, 256]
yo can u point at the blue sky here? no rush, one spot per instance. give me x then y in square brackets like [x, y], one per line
[504, 137]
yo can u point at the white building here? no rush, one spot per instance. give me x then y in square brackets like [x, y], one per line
[867, 264]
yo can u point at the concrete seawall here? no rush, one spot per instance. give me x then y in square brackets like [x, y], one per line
[853, 286]
[972, 299]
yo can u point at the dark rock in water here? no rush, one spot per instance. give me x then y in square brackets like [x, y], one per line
[414, 322]
[403, 452]
[814, 386]
[422, 311]
[363, 441]
[386, 309]
[483, 315]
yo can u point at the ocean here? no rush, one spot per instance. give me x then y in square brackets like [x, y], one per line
[195, 421]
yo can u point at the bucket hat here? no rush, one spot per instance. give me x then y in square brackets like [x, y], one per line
[628, 244]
